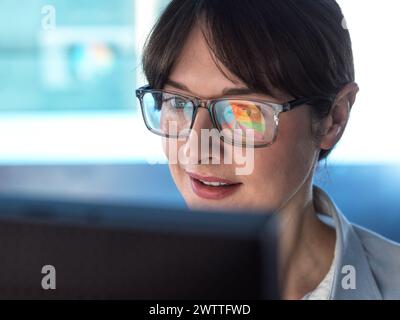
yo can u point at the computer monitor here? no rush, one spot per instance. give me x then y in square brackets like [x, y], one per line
[53, 249]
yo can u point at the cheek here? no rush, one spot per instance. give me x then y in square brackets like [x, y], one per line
[283, 168]
[171, 148]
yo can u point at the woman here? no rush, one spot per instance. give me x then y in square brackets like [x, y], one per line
[247, 69]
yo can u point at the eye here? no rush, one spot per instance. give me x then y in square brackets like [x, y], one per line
[176, 102]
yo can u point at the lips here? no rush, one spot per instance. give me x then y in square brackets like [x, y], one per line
[212, 188]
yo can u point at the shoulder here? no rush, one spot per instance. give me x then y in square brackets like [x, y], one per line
[379, 247]
[383, 256]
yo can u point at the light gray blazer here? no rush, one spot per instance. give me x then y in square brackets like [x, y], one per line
[367, 265]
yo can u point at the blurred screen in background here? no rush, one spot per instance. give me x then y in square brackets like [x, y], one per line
[68, 71]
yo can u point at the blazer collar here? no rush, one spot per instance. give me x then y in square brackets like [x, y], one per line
[349, 252]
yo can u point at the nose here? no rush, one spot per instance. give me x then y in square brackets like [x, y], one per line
[202, 145]
[202, 121]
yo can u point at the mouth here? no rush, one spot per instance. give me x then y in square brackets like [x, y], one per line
[212, 188]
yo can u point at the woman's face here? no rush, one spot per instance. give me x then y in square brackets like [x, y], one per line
[280, 171]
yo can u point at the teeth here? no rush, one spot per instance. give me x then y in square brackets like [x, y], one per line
[214, 184]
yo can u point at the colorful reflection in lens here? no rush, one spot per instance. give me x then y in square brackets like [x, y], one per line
[244, 116]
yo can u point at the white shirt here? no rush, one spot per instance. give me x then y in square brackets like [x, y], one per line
[324, 289]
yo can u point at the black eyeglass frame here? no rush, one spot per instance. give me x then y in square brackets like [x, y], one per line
[210, 103]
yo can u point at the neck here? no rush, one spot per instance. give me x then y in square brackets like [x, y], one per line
[306, 245]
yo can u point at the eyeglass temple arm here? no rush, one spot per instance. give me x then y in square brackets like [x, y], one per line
[299, 102]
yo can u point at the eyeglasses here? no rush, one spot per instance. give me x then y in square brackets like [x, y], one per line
[170, 114]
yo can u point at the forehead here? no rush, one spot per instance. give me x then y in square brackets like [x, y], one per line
[197, 69]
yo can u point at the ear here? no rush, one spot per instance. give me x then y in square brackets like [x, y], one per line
[334, 124]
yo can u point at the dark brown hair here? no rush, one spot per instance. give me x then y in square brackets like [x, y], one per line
[299, 47]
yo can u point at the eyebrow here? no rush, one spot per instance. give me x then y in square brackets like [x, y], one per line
[225, 92]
